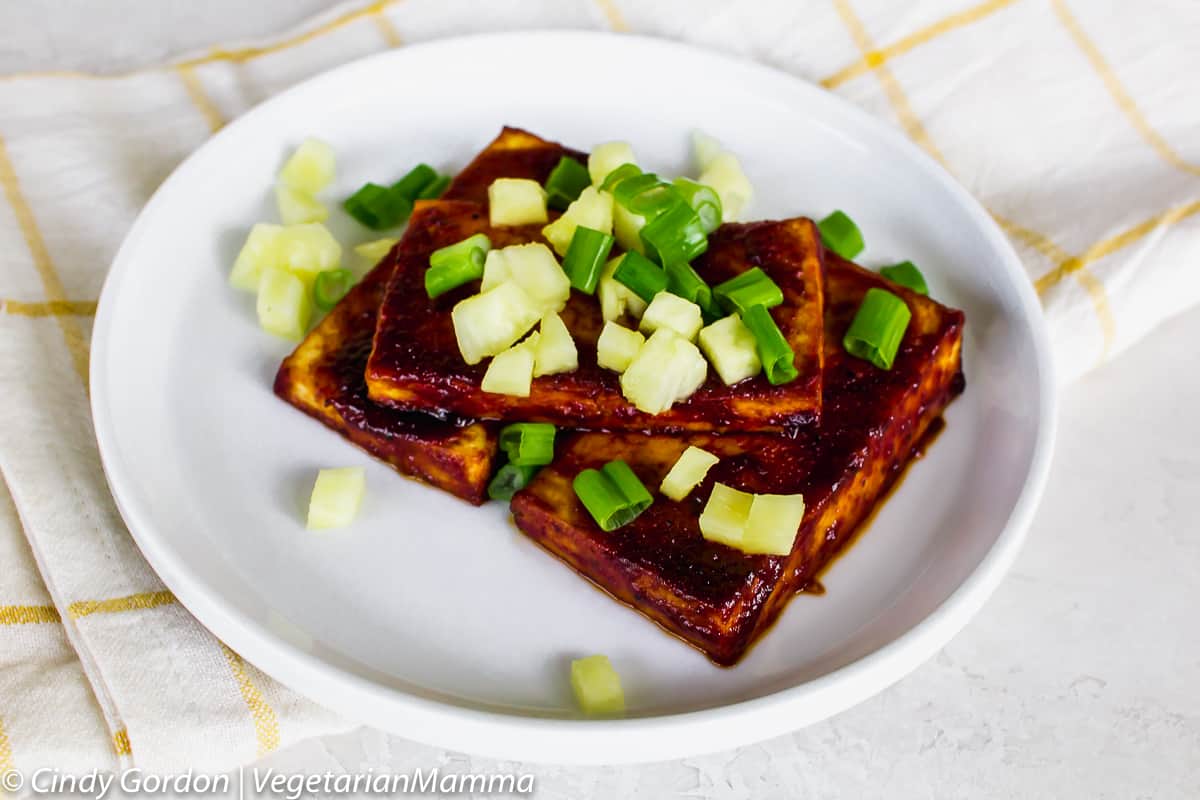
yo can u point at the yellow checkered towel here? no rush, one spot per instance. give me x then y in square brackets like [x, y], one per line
[1075, 122]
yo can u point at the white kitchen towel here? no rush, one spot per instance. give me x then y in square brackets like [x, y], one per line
[1074, 121]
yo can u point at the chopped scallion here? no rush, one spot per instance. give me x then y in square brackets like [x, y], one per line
[751, 288]
[613, 494]
[675, 236]
[878, 328]
[641, 275]
[585, 257]
[566, 182]
[510, 479]
[331, 286]
[630, 486]
[773, 349]
[703, 199]
[684, 281]
[907, 275]
[434, 189]
[528, 443]
[378, 207]
[456, 264]
[417, 178]
[618, 175]
[841, 235]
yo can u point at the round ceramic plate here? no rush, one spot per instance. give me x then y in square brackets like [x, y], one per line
[440, 621]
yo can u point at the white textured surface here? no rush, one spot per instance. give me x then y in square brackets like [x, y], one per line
[1081, 678]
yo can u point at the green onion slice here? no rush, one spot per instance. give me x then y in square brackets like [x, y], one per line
[378, 207]
[675, 236]
[629, 485]
[618, 175]
[878, 328]
[751, 288]
[585, 257]
[613, 495]
[456, 264]
[528, 443]
[510, 479]
[907, 275]
[627, 190]
[331, 286]
[684, 281]
[643, 277]
[566, 182]
[841, 235]
[417, 178]
[435, 188]
[703, 199]
[773, 349]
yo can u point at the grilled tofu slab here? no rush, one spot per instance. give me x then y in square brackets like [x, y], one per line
[324, 379]
[416, 363]
[719, 599]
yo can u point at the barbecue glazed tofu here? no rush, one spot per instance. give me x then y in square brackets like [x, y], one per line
[416, 363]
[324, 379]
[719, 599]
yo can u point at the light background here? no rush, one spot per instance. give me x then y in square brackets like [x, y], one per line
[1079, 679]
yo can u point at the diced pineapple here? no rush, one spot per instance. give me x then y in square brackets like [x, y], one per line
[592, 209]
[260, 251]
[731, 348]
[725, 515]
[296, 207]
[597, 686]
[668, 368]
[773, 523]
[617, 347]
[374, 250]
[310, 169]
[511, 372]
[308, 249]
[516, 201]
[724, 174]
[532, 267]
[488, 323]
[704, 149]
[627, 228]
[336, 497]
[615, 297]
[555, 350]
[607, 157]
[668, 310]
[687, 473]
[283, 304]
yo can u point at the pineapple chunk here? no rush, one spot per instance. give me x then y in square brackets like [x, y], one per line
[310, 169]
[516, 201]
[668, 310]
[308, 249]
[627, 228]
[731, 348]
[532, 267]
[773, 523]
[260, 251]
[592, 209]
[554, 350]
[597, 686]
[283, 304]
[375, 250]
[296, 207]
[725, 515]
[667, 369]
[487, 324]
[724, 174]
[511, 372]
[617, 347]
[687, 472]
[607, 157]
[615, 297]
[336, 497]
[704, 149]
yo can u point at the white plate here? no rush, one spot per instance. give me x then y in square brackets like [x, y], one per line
[439, 621]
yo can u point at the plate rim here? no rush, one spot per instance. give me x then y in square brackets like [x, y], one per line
[525, 737]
